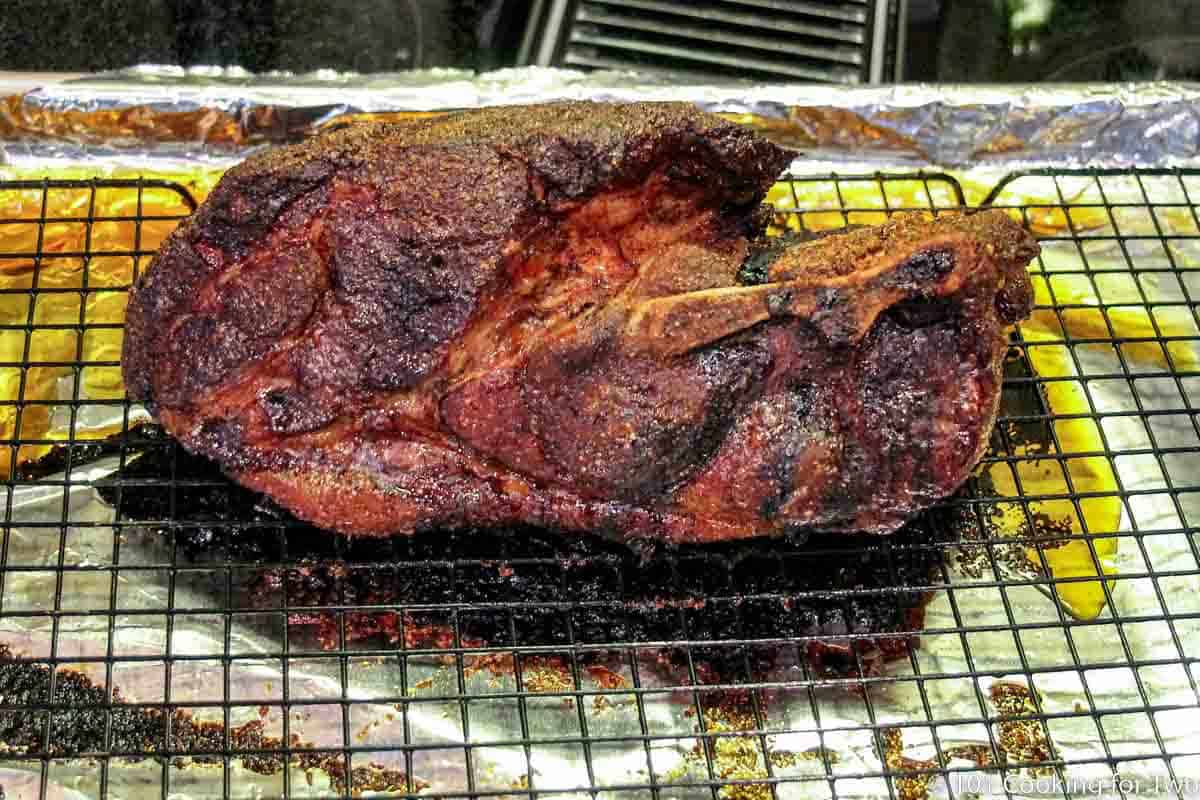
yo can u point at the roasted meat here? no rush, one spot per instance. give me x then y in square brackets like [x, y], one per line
[534, 315]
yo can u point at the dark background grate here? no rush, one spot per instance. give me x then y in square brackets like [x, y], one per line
[835, 41]
[169, 632]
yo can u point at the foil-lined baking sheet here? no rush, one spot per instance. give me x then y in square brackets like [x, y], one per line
[217, 114]
[190, 125]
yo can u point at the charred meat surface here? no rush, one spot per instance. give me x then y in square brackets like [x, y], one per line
[533, 315]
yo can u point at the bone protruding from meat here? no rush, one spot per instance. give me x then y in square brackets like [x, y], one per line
[842, 301]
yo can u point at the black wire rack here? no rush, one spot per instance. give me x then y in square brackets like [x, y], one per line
[168, 633]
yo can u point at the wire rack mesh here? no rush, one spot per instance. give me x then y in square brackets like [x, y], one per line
[168, 633]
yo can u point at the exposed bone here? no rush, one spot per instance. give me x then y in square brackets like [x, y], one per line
[842, 307]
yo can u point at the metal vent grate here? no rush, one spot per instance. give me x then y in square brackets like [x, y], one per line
[812, 40]
[168, 633]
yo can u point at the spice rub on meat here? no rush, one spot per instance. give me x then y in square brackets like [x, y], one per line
[533, 315]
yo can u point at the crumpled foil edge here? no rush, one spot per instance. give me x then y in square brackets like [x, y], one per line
[220, 114]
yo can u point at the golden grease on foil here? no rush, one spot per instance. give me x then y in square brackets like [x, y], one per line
[1047, 334]
[739, 757]
[546, 674]
[734, 758]
[1019, 741]
[908, 787]
[1127, 322]
[916, 786]
[57, 291]
[1092, 474]
[1052, 220]
[818, 205]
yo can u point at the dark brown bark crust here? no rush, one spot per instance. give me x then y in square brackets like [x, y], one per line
[456, 191]
[531, 314]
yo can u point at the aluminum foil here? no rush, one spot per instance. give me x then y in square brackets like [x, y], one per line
[219, 113]
[205, 119]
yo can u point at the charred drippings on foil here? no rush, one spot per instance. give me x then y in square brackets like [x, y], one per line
[664, 596]
[661, 596]
[78, 723]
